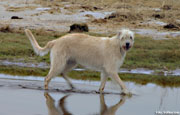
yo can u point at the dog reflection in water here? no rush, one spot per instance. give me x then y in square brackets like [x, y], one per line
[62, 110]
[52, 109]
[105, 110]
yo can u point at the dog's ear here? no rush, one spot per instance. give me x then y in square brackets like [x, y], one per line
[119, 35]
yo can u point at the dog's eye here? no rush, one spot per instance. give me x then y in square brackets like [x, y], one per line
[131, 38]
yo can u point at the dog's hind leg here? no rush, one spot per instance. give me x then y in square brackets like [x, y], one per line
[52, 73]
[67, 80]
[69, 66]
[57, 66]
[103, 81]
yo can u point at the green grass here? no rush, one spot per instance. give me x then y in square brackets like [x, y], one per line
[154, 54]
[15, 70]
[146, 53]
[15, 46]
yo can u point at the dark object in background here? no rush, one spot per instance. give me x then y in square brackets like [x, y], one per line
[113, 15]
[16, 17]
[167, 7]
[79, 28]
[5, 29]
[124, 16]
[90, 8]
[159, 16]
[171, 26]
[99, 21]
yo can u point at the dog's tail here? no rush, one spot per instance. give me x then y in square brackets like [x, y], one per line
[37, 49]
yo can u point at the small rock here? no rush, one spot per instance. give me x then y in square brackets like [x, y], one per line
[99, 21]
[124, 16]
[160, 16]
[90, 16]
[97, 92]
[24, 87]
[57, 89]
[166, 7]
[16, 17]
[113, 15]
[171, 26]
[79, 28]
[90, 8]
[86, 7]
[39, 87]
[5, 28]
[96, 8]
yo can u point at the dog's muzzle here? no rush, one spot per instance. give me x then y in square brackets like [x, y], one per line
[127, 46]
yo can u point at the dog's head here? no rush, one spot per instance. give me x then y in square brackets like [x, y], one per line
[126, 38]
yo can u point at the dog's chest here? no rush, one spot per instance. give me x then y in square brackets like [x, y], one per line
[120, 62]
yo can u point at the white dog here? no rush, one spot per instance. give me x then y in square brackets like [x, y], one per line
[98, 53]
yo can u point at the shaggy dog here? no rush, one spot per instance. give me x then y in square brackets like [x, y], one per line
[97, 53]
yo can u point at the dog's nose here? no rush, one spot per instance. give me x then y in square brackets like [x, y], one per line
[127, 45]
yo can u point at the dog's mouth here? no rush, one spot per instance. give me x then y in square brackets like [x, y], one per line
[125, 47]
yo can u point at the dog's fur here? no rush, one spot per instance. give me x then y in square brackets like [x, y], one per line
[98, 53]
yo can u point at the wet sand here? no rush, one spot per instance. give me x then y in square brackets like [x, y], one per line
[26, 97]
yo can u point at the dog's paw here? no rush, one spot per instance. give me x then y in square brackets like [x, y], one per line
[126, 92]
[72, 87]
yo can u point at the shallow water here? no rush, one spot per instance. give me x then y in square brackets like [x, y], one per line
[175, 72]
[149, 98]
[97, 15]
[157, 35]
[154, 22]
[23, 64]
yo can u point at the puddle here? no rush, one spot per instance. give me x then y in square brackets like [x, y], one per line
[174, 72]
[22, 64]
[156, 9]
[39, 78]
[122, 70]
[157, 35]
[150, 98]
[151, 72]
[154, 22]
[43, 9]
[137, 71]
[96, 15]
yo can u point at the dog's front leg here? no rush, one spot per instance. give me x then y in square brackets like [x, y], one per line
[103, 82]
[116, 77]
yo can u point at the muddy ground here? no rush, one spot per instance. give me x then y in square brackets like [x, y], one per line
[106, 16]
